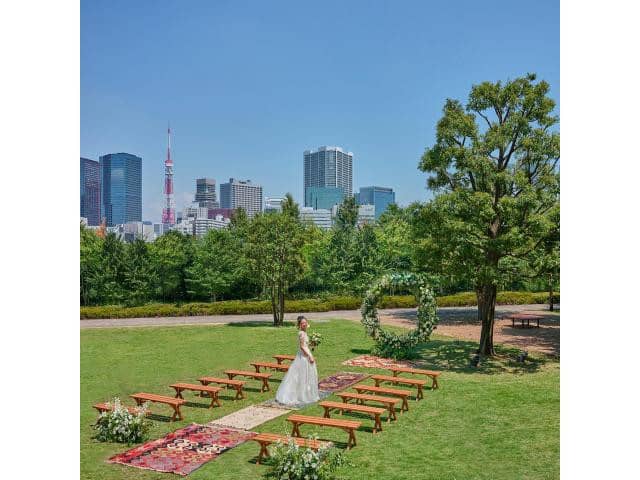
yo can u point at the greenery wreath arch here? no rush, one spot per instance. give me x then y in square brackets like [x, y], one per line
[391, 345]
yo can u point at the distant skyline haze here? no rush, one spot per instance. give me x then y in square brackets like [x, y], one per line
[249, 86]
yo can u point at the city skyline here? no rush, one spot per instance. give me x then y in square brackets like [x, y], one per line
[379, 96]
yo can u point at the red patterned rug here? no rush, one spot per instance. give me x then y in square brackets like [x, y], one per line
[340, 381]
[371, 361]
[184, 450]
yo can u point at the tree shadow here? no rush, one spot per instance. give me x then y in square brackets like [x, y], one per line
[361, 351]
[456, 356]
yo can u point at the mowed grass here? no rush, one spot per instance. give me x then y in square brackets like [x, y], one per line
[500, 421]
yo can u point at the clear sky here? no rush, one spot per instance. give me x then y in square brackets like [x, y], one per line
[249, 85]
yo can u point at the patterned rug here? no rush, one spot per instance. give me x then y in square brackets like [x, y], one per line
[250, 417]
[371, 361]
[184, 450]
[339, 381]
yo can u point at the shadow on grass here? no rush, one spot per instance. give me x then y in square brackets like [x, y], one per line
[456, 355]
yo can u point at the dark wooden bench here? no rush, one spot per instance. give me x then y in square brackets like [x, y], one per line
[396, 392]
[174, 403]
[434, 374]
[349, 426]
[281, 358]
[212, 391]
[244, 373]
[522, 317]
[401, 380]
[266, 439]
[107, 407]
[237, 384]
[375, 412]
[273, 366]
[360, 398]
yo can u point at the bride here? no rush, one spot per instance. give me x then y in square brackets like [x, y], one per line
[300, 385]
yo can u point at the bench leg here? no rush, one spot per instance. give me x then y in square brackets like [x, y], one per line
[178, 393]
[263, 453]
[377, 382]
[326, 412]
[296, 430]
[420, 395]
[265, 385]
[239, 392]
[392, 413]
[352, 440]
[214, 400]
[434, 386]
[405, 404]
[257, 368]
[377, 424]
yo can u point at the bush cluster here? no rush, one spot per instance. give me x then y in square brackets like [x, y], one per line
[121, 426]
[239, 307]
[291, 462]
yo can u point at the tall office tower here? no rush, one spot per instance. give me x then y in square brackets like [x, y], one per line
[90, 191]
[169, 210]
[241, 194]
[380, 197]
[206, 193]
[323, 197]
[328, 167]
[121, 175]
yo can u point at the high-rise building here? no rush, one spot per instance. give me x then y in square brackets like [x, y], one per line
[328, 167]
[380, 197]
[206, 193]
[121, 175]
[273, 204]
[241, 194]
[90, 191]
[323, 197]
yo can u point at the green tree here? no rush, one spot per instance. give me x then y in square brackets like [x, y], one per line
[290, 207]
[347, 215]
[494, 171]
[112, 268]
[90, 266]
[139, 274]
[274, 256]
[172, 255]
[215, 266]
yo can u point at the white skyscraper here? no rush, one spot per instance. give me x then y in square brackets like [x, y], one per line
[241, 194]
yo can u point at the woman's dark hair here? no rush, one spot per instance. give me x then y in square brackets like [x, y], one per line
[299, 320]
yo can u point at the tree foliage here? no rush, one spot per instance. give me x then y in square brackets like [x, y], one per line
[494, 170]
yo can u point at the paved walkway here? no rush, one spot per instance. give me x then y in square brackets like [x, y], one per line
[401, 316]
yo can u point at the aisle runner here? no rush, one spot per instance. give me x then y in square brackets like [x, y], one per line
[249, 417]
[371, 361]
[339, 381]
[184, 450]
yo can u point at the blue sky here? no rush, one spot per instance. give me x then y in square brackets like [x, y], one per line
[249, 85]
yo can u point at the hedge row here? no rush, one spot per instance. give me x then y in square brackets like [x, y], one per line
[231, 307]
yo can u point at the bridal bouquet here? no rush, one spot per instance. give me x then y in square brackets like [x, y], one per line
[314, 340]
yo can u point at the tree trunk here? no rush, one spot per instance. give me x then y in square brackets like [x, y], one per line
[550, 292]
[486, 295]
[274, 307]
[281, 305]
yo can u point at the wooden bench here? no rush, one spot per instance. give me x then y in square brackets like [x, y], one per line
[404, 381]
[418, 371]
[106, 407]
[174, 403]
[258, 376]
[266, 439]
[389, 402]
[281, 358]
[375, 412]
[274, 366]
[348, 425]
[212, 391]
[396, 392]
[237, 384]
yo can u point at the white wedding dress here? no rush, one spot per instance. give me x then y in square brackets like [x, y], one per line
[300, 385]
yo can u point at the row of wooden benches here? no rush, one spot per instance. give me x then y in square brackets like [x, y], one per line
[388, 397]
[230, 382]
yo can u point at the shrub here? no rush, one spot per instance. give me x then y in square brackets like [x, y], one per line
[118, 425]
[291, 462]
[239, 307]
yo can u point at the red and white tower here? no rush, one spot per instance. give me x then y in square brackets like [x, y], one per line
[169, 211]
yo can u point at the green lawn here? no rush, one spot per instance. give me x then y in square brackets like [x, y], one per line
[497, 421]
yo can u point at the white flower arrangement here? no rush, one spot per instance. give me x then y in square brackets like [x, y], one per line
[121, 426]
[291, 462]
